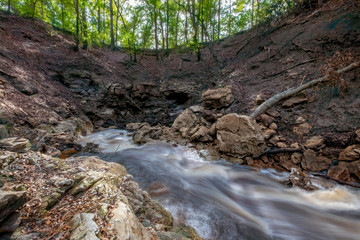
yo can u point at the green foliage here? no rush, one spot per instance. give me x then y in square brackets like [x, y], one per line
[141, 24]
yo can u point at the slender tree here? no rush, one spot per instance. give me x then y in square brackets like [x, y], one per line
[77, 34]
[112, 39]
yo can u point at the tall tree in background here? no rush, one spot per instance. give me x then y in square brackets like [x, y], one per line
[77, 33]
[219, 20]
[112, 39]
[171, 23]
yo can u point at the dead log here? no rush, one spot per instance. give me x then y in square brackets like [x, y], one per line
[292, 91]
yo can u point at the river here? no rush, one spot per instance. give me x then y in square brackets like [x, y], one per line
[233, 202]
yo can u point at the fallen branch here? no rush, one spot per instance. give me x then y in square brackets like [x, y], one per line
[353, 184]
[280, 150]
[292, 91]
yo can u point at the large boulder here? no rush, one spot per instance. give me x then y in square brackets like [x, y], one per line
[239, 135]
[15, 144]
[217, 98]
[314, 163]
[188, 120]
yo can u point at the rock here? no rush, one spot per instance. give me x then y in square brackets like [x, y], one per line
[354, 168]
[103, 210]
[268, 133]
[281, 145]
[217, 98]
[295, 145]
[311, 162]
[186, 231]
[187, 119]
[299, 179]
[171, 236]
[3, 131]
[249, 161]
[11, 223]
[296, 158]
[274, 140]
[125, 224]
[97, 164]
[340, 172]
[209, 115]
[351, 153]
[301, 98]
[273, 126]
[357, 132]
[147, 133]
[6, 158]
[197, 109]
[201, 135]
[134, 126]
[300, 120]
[212, 130]
[10, 202]
[107, 113]
[239, 135]
[273, 113]
[285, 162]
[15, 144]
[259, 99]
[266, 119]
[85, 181]
[314, 142]
[302, 129]
[84, 227]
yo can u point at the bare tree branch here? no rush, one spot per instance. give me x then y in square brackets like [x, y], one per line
[292, 91]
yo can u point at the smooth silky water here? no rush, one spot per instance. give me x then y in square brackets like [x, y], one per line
[226, 201]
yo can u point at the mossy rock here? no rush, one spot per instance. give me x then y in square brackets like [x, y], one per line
[159, 214]
[186, 231]
[88, 179]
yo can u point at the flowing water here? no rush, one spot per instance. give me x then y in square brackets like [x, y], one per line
[226, 201]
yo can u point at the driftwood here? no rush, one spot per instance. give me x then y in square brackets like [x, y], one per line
[292, 91]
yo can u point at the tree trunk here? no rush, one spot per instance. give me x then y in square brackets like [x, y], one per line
[84, 26]
[167, 25]
[185, 30]
[292, 91]
[116, 25]
[34, 9]
[156, 34]
[229, 21]
[162, 31]
[99, 20]
[112, 43]
[252, 13]
[77, 25]
[218, 34]
[9, 5]
[62, 15]
[104, 22]
[42, 10]
[176, 30]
